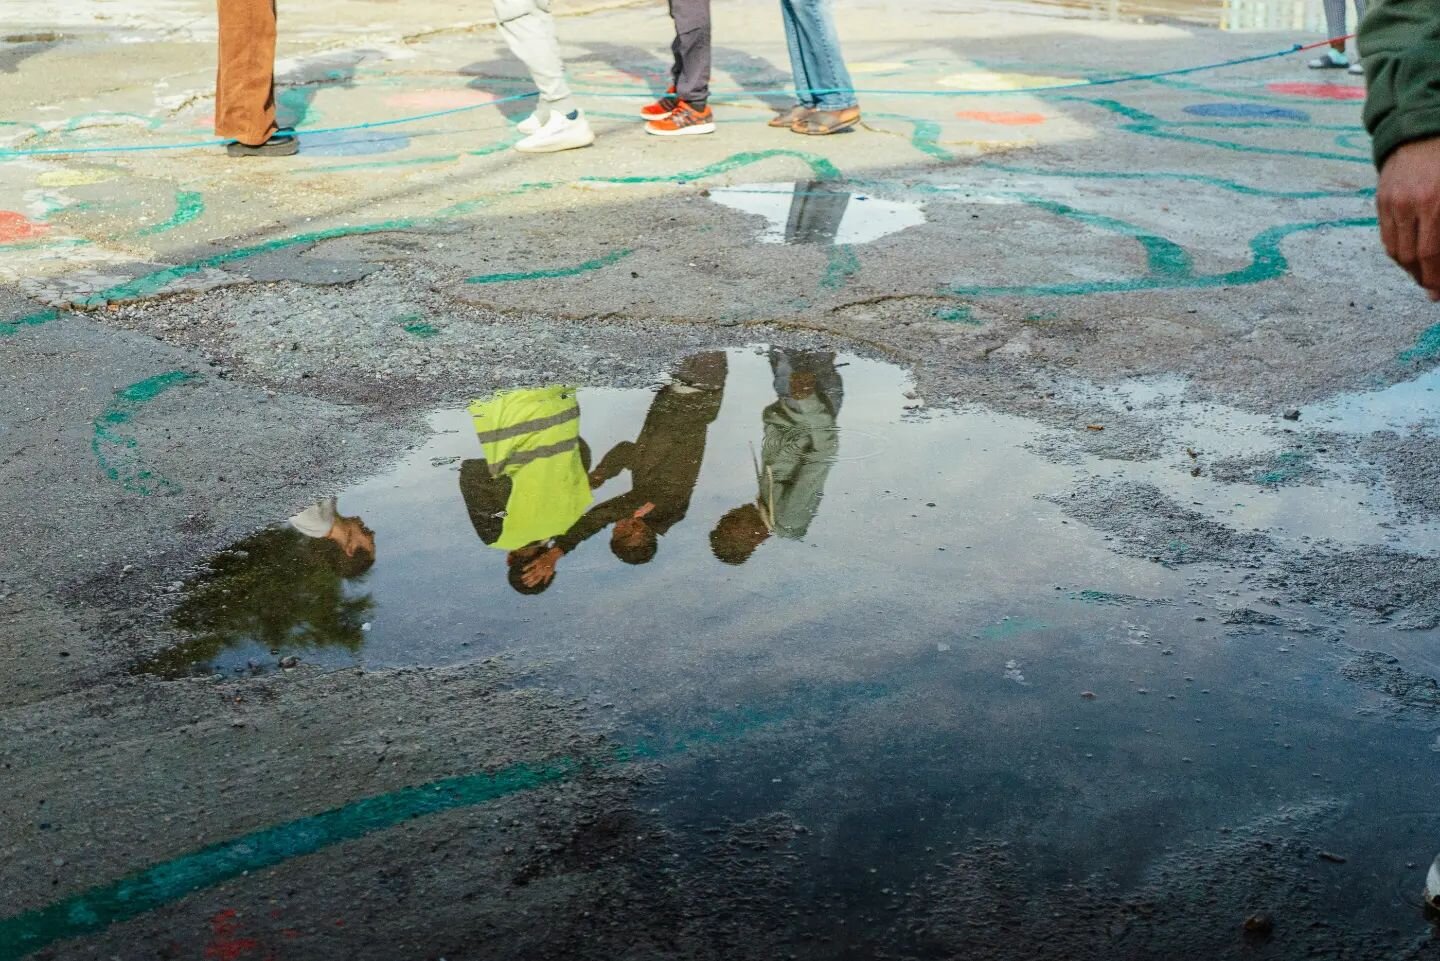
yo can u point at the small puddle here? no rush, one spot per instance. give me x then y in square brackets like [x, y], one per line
[819, 212]
[1408, 405]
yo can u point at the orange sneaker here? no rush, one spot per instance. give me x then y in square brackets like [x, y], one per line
[683, 121]
[663, 107]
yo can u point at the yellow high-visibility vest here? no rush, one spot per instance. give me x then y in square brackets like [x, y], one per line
[533, 437]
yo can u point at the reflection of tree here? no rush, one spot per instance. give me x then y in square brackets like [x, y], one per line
[278, 589]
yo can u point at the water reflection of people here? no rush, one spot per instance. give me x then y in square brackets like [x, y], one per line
[531, 486]
[664, 463]
[800, 446]
[283, 588]
[816, 209]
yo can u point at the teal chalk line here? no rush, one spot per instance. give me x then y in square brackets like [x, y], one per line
[153, 887]
[97, 908]
[748, 94]
[1268, 262]
[553, 273]
[115, 449]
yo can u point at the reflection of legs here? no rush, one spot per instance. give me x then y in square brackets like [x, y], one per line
[816, 210]
[529, 31]
[245, 77]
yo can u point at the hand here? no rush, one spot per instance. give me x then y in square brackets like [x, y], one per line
[541, 570]
[1409, 204]
[596, 478]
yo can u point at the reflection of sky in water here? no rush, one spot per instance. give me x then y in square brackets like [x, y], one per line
[441, 595]
[1399, 407]
[819, 213]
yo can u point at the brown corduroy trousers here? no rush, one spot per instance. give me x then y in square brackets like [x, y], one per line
[245, 78]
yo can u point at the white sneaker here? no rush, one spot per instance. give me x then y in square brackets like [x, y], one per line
[533, 123]
[1357, 70]
[559, 133]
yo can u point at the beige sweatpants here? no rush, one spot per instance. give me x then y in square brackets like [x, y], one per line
[529, 31]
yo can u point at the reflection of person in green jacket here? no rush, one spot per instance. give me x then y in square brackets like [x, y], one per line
[1400, 44]
[664, 464]
[800, 446]
[531, 487]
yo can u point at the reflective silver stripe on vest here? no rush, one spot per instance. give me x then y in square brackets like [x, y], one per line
[524, 457]
[530, 426]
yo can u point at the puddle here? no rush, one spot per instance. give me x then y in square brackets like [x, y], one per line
[819, 212]
[762, 474]
[849, 610]
[1408, 405]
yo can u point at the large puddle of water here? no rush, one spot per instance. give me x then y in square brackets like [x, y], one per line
[936, 655]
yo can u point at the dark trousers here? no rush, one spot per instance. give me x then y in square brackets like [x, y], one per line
[690, 76]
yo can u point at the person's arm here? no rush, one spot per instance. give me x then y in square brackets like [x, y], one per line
[597, 518]
[613, 463]
[1400, 47]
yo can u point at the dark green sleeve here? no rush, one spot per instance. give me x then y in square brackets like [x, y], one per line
[1400, 47]
[597, 518]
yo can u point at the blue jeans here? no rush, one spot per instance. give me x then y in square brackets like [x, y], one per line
[821, 79]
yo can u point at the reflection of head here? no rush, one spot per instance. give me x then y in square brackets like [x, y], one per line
[515, 562]
[738, 533]
[633, 541]
[334, 556]
[356, 546]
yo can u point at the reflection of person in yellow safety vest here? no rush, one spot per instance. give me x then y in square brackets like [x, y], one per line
[532, 485]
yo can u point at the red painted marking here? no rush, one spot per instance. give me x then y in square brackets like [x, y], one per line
[443, 99]
[224, 944]
[15, 227]
[1318, 91]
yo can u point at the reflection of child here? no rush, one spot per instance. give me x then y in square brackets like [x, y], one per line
[350, 536]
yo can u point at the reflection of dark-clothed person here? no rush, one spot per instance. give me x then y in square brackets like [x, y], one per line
[801, 438]
[664, 459]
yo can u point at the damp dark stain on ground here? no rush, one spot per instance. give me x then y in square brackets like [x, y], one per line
[785, 557]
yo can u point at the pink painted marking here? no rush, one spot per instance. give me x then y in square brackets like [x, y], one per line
[442, 99]
[1002, 117]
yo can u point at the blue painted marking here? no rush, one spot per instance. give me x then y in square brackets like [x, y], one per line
[1247, 110]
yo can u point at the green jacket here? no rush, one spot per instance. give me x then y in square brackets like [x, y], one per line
[1400, 46]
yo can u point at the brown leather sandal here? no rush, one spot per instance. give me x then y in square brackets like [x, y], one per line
[792, 116]
[820, 123]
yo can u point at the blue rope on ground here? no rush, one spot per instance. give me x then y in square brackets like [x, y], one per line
[416, 118]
